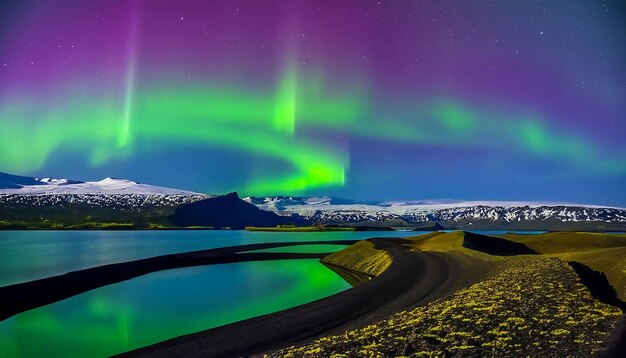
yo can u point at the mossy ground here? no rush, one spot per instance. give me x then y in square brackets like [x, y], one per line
[534, 306]
[602, 252]
[362, 257]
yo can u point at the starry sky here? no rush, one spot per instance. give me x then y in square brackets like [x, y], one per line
[365, 100]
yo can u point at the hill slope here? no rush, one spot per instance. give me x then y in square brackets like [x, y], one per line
[602, 252]
[513, 301]
[533, 307]
[66, 204]
[226, 211]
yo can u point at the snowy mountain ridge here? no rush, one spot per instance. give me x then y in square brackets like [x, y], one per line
[108, 192]
[20, 194]
[324, 210]
[48, 186]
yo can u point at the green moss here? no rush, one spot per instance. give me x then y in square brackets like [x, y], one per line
[562, 242]
[448, 242]
[602, 252]
[535, 306]
[361, 257]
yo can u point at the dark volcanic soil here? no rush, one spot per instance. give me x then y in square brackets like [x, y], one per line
[410, 278]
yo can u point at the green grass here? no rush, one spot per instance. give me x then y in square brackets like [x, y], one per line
[91, 225]
[361, 257]
[610, 261]
[535, 306]
[602, 252]
[66, 226]
[80, 216]
[560, 242]
[448, 242]
[528, 305]
[439, 241]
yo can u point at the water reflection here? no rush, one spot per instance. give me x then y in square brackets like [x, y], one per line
[163, 305]
[30, 255]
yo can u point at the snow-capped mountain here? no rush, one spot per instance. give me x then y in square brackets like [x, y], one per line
[12, 184]
[36, 200]
[109, 192]
[449, 214]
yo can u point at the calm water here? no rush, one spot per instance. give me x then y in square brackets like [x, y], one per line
[157, 306]
[162, 305]
[30, 255]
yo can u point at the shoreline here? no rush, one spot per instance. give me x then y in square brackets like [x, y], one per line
[25, 296]
[132, 227]
[412, 278]
[300, 229]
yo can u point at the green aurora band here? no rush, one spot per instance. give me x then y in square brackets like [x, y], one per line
[272, 125]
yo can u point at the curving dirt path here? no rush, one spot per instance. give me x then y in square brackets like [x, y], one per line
[411, 278]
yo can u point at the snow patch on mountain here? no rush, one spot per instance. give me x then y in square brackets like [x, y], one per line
[325, 210]
[107, 186]
[109, 192]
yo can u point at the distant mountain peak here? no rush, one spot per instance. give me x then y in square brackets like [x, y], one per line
[110, 180]
[448, 213]
[19, 185]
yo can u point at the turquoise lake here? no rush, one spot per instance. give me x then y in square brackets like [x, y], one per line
[160, 305]
[31, 255]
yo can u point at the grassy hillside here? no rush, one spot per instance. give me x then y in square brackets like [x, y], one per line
[439, 241]
[559, 242]
[361, 257]
[520, 305]
[535, 306]
[82, 216]
[602, 252]
[612, 262]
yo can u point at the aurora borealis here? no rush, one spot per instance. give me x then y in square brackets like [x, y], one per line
[511, 100]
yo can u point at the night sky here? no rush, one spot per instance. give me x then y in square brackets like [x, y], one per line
[481, 100]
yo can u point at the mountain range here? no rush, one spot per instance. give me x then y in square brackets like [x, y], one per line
[120, 203]
[449, 214]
